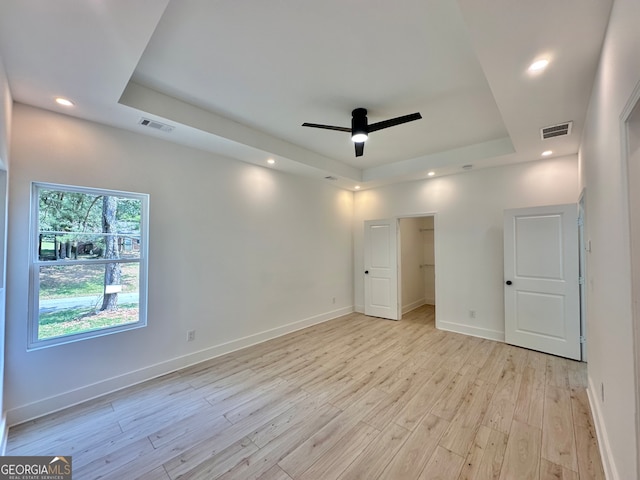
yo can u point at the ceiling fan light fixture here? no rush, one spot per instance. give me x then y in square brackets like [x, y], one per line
[359, 137]
[359, 125]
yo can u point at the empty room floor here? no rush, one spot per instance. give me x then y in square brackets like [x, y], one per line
[353, 398]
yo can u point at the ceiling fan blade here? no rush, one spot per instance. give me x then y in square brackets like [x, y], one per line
[392, 122]
[359, 148]
[327, 127]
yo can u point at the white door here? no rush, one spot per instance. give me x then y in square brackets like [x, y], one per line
[381, 269]
[541, 292]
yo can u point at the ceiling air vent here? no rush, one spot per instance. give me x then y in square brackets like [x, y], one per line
[560, 130]
[145, 122]
[331, 178]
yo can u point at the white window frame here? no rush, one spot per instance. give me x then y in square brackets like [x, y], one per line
[35, 263]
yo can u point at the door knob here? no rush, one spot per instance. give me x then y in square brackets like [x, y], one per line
[509, 282]
[366, 272]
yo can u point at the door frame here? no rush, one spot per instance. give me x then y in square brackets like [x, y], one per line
[398, 253]
[435, 255]
[629, 114]
[582, 271]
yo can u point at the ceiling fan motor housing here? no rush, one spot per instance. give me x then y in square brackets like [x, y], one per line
[359, 123]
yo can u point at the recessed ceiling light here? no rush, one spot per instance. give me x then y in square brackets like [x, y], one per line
[546, 153]
[271, 161]
[357, 187]
[538, 65]
[431, 174]
[64, 101]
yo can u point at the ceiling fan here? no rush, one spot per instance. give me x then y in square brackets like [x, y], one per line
[360, 128]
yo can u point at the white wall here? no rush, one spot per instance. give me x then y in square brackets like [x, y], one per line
[6, 104]
[468, 232]
[238, 252]
[609, 322]
[411, 256]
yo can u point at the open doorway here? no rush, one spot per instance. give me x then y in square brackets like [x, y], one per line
[417, 264]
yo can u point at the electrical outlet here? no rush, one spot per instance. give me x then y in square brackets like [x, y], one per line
[472, 314]
[191, 335]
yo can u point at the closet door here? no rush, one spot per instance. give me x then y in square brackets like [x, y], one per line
[541, 291]
[381, 269]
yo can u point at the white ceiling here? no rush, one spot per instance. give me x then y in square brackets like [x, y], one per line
[239, 78]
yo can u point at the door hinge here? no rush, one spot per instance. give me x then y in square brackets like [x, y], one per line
[583, 339]
[580, 280]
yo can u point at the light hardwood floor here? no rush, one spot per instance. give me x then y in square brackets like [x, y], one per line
[352, 398]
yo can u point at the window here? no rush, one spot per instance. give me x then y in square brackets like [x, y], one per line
[88, 268]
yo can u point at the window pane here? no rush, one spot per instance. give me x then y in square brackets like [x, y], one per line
[86, 246]
[80, 298]
[87, 226]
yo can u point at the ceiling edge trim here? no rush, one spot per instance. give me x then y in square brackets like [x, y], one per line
[173, 110]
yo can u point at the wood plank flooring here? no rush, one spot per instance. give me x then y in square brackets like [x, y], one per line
[353, 398]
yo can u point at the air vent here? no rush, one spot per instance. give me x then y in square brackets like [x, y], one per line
[560, 130]
[331, 178]
[145, 122]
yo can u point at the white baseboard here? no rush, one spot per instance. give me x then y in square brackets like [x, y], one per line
[610, 471]
[412, 306]
[470, 330]
[405, 309]
[64, 400]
